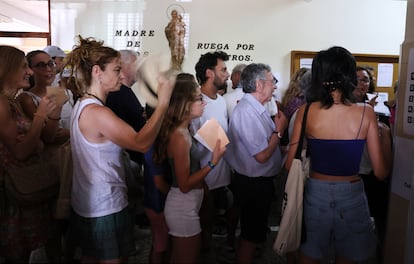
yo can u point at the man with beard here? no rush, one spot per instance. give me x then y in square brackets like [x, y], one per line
[212, 75]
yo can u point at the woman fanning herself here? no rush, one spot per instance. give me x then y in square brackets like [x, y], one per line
[22, 229]
[101, 224]
[335, 206]
[175, 144]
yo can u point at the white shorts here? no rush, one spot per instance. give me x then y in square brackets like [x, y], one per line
[181, 212]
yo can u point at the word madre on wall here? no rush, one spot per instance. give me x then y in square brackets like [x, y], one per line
[240, 50]
[132, 35]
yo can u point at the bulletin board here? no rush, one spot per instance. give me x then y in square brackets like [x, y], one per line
[385, 67]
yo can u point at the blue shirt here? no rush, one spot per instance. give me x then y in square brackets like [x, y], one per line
[249, 133]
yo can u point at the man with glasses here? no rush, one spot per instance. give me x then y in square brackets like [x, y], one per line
[255, 155]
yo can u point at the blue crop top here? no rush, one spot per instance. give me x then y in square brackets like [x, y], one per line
[336, 157]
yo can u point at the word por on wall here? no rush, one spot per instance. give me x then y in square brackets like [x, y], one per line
[238, 48]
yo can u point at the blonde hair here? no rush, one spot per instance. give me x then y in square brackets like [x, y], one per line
[294, 88]
[11, 58]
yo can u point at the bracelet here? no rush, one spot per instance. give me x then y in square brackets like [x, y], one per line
[54, 119]
[211, 165]
[278, 134]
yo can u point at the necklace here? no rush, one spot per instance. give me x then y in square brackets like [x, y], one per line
[96, 97]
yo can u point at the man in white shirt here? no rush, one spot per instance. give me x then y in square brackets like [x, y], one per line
[212, 75]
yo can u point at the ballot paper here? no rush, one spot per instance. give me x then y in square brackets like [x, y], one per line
[380, 107]
[209, 133]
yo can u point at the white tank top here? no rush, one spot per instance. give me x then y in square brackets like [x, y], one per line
[98, 187]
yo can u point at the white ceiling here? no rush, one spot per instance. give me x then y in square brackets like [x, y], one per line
[24, 15]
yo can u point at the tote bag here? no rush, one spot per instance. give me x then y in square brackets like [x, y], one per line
[290, 230]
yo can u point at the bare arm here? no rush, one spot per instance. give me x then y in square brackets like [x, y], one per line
[379, 147]
[294, 140]
[30, 110]
[99, 123]
[281, 124]
[179, 148]
[21, 146]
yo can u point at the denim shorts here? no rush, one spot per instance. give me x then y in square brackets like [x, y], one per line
[336, 214]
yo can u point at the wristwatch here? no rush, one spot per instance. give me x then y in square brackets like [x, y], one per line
[211, 164]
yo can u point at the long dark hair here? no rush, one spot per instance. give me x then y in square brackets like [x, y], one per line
[333, 69]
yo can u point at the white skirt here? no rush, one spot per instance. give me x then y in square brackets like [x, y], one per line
[181, 212]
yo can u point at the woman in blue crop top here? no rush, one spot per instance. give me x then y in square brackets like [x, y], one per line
[175, 145]
[335, 206]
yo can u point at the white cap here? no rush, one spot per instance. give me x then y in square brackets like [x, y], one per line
[54, 51]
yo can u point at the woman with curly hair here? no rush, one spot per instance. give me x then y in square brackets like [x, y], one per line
[101, 224]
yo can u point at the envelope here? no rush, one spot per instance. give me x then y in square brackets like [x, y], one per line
[209, 133]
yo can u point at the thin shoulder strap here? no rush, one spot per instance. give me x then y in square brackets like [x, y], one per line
[302, 132]
[362, 119]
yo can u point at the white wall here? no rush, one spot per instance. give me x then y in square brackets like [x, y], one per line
[273, 27]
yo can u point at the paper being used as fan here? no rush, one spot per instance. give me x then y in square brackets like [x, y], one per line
[58, 94]
[209, 133]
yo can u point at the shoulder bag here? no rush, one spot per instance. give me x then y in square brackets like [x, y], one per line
[34, 182]
[288, 238]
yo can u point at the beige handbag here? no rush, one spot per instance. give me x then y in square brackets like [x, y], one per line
[63, 205]
[35, 182]
[289, 237]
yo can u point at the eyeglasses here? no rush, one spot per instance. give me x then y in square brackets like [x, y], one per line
[274, 81]
[364, 80]
[42, 65]
[199, 98]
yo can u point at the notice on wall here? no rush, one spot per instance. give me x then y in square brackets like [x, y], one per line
[408, 117]
[403, 169]
[306, 63]
[385, 74]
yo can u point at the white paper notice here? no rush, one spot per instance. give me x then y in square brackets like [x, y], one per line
[380, 107]
[385, 73]
[403, 169]
[209, 133]
[306, 63]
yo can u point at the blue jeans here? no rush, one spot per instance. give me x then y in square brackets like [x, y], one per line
[336, 213]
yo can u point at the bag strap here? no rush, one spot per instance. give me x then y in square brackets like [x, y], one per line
[302, 132]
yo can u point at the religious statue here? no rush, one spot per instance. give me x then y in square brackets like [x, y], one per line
[175, 33]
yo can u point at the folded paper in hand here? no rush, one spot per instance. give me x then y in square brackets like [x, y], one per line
[209, 133]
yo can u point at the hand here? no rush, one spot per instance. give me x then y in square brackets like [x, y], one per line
[218, 152]
[56, 110]
[372, 102]
[281, 122]
[46, 107]
[165, 88]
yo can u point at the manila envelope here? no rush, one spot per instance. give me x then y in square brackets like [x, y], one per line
[209, 133]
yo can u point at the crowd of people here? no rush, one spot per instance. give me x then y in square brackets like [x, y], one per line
[122, 149]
